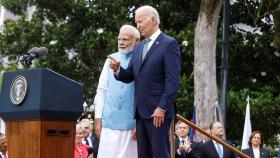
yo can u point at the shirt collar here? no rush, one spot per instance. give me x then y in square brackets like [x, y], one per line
[183, 139]
[216, 143]
[155, 35]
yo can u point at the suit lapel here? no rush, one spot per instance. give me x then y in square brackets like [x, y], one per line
[138, 56]
[212, 148]
[252, 153]
[225, 151]
[261, 152]
[153, 47]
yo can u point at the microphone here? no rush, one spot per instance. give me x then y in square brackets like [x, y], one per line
[38, 53]
[33, 53]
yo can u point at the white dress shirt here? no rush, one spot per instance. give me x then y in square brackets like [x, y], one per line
[217, 145]
[153, 38]
[256, 152]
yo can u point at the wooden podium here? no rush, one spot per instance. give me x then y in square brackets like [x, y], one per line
[40, 108]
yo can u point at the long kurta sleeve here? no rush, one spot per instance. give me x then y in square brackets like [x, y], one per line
[100, 96]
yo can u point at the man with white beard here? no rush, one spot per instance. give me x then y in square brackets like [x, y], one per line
[114, 109]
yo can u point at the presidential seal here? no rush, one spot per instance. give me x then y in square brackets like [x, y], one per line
[18, 90]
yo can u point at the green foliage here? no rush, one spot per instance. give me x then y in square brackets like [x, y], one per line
[88, 28]
[17, 6]
[184, 102]
[252, 57]
[264, 107]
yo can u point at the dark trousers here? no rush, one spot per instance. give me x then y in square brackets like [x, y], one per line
[152, 142]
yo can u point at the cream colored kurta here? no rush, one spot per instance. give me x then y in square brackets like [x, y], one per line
[116, 144]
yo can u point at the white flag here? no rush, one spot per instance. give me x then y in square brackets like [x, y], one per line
[247, 126]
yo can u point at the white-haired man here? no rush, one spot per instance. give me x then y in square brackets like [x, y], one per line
[114, 110]
[155, 69]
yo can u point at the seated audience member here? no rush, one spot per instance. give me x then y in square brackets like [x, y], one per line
[90, 138]
[80, 150]
[3, 146]
[183, 146]
[256, 149]
[212, 149]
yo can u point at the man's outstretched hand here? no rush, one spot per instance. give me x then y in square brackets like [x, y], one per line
[114, 64]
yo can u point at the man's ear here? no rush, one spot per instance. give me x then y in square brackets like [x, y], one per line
[154, 19]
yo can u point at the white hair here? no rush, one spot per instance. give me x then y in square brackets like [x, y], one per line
[132, 29]
[151, 10]
[79, 127]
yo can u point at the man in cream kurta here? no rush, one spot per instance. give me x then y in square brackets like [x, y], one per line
[114, 109]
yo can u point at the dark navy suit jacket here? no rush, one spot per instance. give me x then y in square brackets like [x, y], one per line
[263, 153]
[208, 150]
[156, 78]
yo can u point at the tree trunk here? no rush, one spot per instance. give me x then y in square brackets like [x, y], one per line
[205, 83]
[276, 19]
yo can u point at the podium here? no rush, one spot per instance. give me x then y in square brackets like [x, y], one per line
[40, 108]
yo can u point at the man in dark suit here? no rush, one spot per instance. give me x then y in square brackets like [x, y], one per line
[155, 69]
[212, 149]
[185, 148]
[90, 138]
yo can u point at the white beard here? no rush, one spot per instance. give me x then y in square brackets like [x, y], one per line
[126, 50]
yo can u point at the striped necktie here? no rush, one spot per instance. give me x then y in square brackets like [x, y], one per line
[145, 48]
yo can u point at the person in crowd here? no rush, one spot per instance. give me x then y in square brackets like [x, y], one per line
[90, 138]
[155, 69]
[256, 149]
[183, 146]
[211, 148]
[114, 110]
[278, 153]
[3, 146]
[80, 150]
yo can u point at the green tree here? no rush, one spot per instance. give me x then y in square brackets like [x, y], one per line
[81, 33]
[205, 82]
[78, 34]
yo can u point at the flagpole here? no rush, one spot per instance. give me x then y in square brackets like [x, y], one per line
[224, 62]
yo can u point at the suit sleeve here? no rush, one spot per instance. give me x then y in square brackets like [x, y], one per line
[172, 64]
[126, 75]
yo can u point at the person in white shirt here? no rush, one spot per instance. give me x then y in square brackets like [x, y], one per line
[155, 70]
[256, 149]
[182, 143]
[114, 109]
[90, 138]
